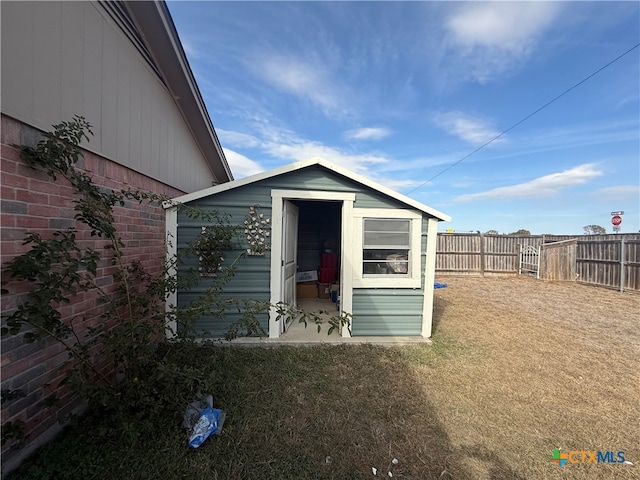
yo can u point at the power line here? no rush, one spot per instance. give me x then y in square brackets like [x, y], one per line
[525, 118]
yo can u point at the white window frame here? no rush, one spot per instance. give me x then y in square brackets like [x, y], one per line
[414, 277]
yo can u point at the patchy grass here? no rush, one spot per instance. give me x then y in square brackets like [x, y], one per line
[517, 368]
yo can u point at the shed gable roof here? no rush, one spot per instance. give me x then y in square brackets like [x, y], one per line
[370, 184]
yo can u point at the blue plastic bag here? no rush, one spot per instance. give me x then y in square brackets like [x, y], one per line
[440, 285]
[209, 423]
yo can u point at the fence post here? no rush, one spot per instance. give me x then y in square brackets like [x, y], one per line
[482, 266]
[622, 264]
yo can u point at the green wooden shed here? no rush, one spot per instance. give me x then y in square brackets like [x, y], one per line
[376, 247]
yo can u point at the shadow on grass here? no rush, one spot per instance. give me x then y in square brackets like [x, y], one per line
[292, 413]
[440, 306]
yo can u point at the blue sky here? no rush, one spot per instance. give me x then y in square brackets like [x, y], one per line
[400, 91]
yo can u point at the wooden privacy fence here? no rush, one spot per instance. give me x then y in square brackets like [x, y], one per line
[609, 263]
[479, 254]
[604, 260]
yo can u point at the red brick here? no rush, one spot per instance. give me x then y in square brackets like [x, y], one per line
[7, 193]
[32, 223]
[16, 181]
[12, 248]
[48, 199]
[60, 201]
[67, 212]
[31, 196]
[45, 354]
[7, 220]
[12, 234]
[87, 308]
[44, 211]
[7, 165]
[32, 173]
[11, 153]
[42, 186]
[15, 368]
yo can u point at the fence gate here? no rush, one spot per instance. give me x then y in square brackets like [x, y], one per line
[529, 261]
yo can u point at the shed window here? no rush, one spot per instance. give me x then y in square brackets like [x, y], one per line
[386, 246]
[388, 253]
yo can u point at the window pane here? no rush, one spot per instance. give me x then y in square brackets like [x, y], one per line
[386, 246]
[386, 232]
[400, 239]
[385, 262]
[386, 225]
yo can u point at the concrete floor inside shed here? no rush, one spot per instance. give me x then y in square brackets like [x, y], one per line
[297, 332]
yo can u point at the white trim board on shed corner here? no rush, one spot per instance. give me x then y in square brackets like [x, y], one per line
[299, 166]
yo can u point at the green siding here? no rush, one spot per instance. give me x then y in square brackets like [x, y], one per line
[252, 277]
[375, 311]
[387, 312]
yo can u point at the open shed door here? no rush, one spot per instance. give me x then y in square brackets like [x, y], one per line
[289, 254]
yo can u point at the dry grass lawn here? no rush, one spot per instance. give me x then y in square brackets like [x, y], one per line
[544, 366]
[518, 367]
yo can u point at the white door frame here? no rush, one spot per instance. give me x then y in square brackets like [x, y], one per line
[289, 266]
[346, 265]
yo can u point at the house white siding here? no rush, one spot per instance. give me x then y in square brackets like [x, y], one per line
[61, 59]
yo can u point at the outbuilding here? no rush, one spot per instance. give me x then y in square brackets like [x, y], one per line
[314, 226]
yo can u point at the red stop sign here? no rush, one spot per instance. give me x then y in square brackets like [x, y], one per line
[616, 220]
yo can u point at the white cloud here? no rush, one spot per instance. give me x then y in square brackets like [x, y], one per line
[473, 130]
[304, 149]
[505, 25]
[544, 186]
[237, 139]
[286, 147]
[490, 37]
[367, 133]
[241, 166]
[303, 79]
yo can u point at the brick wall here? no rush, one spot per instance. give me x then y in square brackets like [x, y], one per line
[32, 202]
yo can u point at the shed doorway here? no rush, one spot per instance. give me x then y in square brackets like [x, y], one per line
[311, 239]
[319, 241]
[318, 254]
[308, 227]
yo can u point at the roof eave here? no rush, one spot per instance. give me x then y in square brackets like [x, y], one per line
[158, 30]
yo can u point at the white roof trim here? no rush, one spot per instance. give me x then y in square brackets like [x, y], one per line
[304, 164]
